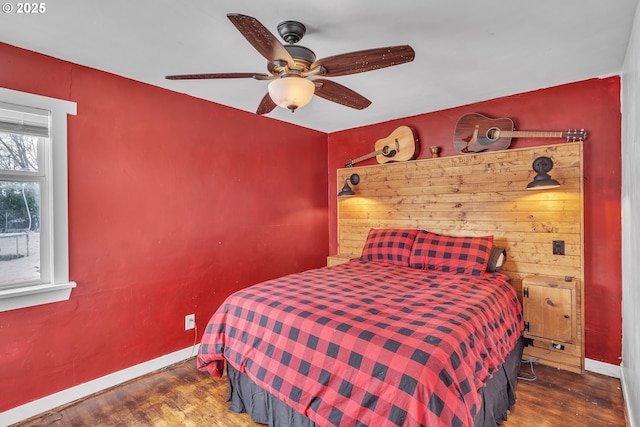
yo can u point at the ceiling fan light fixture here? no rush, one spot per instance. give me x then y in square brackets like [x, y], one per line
[291, 92]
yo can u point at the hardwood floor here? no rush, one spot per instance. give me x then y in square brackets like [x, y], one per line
[180, 395]
[562, 398]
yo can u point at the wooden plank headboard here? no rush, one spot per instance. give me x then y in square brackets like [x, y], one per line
[475, 195]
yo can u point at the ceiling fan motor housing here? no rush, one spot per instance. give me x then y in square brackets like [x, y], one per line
[301, 53]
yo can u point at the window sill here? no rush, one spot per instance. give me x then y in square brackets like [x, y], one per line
[28, 296]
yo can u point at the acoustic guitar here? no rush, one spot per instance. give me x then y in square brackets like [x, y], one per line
[400, 146]
[475, 133]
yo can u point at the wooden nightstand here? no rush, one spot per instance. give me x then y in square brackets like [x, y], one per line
[552, 316]
[339, 259]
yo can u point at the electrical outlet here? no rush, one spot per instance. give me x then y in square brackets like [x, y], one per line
[189, 321]
[558, 247]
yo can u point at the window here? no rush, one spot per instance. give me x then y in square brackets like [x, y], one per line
[34, 254]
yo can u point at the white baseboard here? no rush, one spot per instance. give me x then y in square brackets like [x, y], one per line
[602, 368]
[69, 395]
[631, 410]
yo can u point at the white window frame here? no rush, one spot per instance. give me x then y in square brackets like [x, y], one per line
[59, 287]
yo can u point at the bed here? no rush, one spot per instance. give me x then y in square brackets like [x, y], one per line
[416, 332]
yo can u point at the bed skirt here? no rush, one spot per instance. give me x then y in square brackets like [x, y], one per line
[498, 396]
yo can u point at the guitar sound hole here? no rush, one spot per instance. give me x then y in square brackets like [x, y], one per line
[385, 150]
[493, 134]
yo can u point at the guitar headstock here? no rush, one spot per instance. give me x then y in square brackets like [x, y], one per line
[348, 164]
[575, 135]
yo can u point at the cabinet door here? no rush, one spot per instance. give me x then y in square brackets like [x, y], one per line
[548, 310]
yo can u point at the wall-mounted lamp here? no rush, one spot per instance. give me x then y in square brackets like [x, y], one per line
[542, 181]
[291, 92]
[346, 190]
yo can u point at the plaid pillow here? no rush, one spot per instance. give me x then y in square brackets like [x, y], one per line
[391, 246]
[467, 255]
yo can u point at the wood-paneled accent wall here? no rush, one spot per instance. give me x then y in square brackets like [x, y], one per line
[481, 194]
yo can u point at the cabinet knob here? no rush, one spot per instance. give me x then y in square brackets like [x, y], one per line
[566, 316]
[549, 302]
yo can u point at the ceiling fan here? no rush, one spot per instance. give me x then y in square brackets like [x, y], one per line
[291, 65]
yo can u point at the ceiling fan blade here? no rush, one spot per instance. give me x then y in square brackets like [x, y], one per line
[257, 76]
[335, 92]
[261, 38]
[266, 105]
[365, 60]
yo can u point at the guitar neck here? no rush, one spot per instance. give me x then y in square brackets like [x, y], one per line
[530, 134]
[366, 156]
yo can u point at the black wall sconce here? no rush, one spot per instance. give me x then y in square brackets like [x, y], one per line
[542, 181]
[346, 190]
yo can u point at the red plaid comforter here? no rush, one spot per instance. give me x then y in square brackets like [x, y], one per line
[369, 344]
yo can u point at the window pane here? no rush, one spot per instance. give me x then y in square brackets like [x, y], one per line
[19, 232]
[18, 152]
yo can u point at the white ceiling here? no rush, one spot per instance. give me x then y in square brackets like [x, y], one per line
[466, 50]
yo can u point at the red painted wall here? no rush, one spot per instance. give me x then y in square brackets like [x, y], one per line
[174, 203]
[592, 104]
